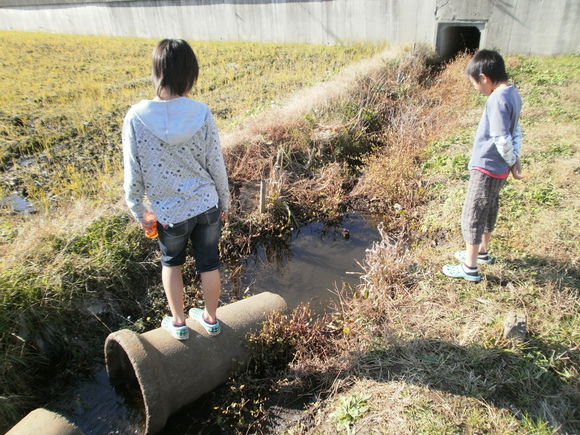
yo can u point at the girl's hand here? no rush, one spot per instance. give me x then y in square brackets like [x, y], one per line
[224, 215]
[516, 170]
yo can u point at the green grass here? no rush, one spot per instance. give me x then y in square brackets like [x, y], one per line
[351, 409]
[59, 302]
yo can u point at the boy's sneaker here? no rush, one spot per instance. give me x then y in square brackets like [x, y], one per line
[179, 332]
[460, 272]
[481, 259]
[212, 329]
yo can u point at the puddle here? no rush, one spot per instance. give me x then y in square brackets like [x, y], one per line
[18, 204]
[320, 260]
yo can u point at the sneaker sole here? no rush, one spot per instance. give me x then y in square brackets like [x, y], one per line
[179, 337]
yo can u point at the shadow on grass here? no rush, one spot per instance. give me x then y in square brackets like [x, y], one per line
[543, 271]
[535, 379]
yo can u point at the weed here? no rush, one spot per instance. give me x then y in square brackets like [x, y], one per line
[452, 166]
[350, 409]
[554, 151]
[284, 338]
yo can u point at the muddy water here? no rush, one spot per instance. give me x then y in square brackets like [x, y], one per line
[96, 408]
[318, 261]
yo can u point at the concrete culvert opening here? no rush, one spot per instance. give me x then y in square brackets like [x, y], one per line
[453, 39]
[122, 375]
[121, 372]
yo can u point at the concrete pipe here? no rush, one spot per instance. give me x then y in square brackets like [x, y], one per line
[45, 422]
[172, 373]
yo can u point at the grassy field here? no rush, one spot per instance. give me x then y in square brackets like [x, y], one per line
[67, 110]
[408, 351]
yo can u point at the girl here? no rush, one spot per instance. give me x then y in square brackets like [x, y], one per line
[172, 155]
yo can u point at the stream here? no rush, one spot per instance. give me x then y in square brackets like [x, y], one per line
[319, 260]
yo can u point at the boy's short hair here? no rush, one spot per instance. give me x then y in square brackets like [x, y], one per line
[174, 67]
[487, 62]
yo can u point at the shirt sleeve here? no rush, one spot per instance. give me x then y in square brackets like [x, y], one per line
[505, 147]
[500, 132]
[517, 140]
[215, 163]
[133, 179]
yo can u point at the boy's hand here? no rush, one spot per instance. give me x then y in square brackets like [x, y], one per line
[516, 169]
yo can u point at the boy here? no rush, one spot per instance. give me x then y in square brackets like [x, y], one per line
[495, 154]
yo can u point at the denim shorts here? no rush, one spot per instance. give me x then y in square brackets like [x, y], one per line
[204, 232]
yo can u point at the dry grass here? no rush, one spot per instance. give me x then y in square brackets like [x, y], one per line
[414, 409]
[253, 147]
[314, 98]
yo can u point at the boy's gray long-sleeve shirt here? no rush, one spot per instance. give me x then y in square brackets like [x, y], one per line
[498, 137]
[172, 155]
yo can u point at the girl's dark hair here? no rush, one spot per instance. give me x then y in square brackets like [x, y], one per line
[174, 67]
[487, 62]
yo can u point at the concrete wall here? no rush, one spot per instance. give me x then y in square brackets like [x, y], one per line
[513, 26]
[318, 21]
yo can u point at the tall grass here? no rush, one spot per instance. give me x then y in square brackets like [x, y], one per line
[61, 296]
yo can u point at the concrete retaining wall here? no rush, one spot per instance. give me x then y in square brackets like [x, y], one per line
[320, 21]
[531, 26]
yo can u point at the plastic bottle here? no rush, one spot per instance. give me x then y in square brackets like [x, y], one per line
[150, 221]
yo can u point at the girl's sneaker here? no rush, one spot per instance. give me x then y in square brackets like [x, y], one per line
[481, 259]
[212, 329]
[460, 272]
[179, 332]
